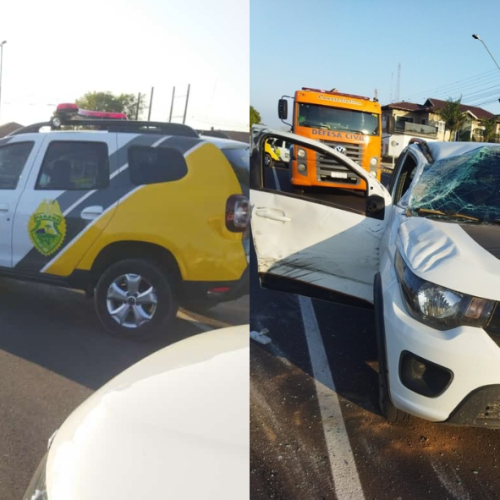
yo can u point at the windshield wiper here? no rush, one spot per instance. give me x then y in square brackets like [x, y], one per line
[457, 215]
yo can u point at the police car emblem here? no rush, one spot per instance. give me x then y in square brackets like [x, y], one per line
[47, 227]
[340, 149]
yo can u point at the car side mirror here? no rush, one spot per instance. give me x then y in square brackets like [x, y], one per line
[283, 109]
[375, 206]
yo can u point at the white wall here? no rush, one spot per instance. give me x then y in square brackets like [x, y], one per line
[402, 141]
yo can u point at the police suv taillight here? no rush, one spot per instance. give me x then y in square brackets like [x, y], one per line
[237, 213]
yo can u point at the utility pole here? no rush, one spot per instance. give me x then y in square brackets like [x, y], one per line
[138, 106]
[150, 103]
[172, 105]
[398, 81]
[1, 65]
[186, 108]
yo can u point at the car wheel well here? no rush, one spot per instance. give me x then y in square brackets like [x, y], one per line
[137, 250]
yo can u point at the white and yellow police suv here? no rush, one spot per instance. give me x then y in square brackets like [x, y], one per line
[143, 216]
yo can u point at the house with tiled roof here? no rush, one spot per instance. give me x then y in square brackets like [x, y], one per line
[423, 120]
[8, 128]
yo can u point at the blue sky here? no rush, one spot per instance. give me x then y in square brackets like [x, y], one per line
[57, 50]
[356, 47]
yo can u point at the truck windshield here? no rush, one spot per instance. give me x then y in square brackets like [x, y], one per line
[464, 188]
[316, 116]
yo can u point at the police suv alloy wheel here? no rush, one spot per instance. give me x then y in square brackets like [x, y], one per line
[134, 300]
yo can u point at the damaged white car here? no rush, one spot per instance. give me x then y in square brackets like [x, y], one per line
[424, 252]
[173, 426]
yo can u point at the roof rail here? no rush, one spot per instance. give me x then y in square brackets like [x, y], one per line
[130, 126]
[424, 147]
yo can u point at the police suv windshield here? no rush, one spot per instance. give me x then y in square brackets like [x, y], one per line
[464, 188]
[316, 116]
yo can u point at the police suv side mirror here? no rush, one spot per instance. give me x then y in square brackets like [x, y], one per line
[283, 109]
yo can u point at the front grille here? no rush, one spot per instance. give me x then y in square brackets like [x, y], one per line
[326, 164]
[493, 327]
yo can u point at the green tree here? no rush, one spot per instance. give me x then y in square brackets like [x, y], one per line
[107, 101]
[490, 128]
[254, 116]
[452, 116]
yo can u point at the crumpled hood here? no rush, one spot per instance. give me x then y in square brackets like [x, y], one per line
[175, 425]
[445, 254]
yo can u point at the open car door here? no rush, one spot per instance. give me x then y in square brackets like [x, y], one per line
[323, 242]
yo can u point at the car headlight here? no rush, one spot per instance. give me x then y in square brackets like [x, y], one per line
[301, 153]
[437, 306]
[37, 489]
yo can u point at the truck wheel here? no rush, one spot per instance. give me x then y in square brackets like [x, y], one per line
[134, 300]
[268, 161]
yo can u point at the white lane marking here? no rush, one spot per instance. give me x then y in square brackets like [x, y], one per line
[343, 466]
[276, 180]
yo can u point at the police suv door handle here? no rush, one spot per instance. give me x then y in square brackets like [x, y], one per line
[91, 213]
[4, 208]
[272, 213]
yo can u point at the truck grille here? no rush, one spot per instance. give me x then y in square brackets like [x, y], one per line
[327, 165]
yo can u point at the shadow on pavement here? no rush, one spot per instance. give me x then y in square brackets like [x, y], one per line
[59, 330]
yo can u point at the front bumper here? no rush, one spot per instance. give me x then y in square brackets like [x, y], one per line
[468, 353]
[481, 408]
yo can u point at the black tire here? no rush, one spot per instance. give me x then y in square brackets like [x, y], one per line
[387, 409]
[162, 313]
[268, 161]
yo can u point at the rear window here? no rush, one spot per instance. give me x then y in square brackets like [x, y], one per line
[149, 165]
[239, 158]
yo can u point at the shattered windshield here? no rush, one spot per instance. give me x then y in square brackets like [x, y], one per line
[464, 188]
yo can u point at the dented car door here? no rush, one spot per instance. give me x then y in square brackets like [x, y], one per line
[328, 240]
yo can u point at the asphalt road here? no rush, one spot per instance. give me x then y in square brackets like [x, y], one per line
[291, 440]
[53, 355]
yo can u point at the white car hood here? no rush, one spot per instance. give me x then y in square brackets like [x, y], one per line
[445, 254]
[174, 426]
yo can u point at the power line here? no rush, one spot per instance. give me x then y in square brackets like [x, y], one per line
[465, 83]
